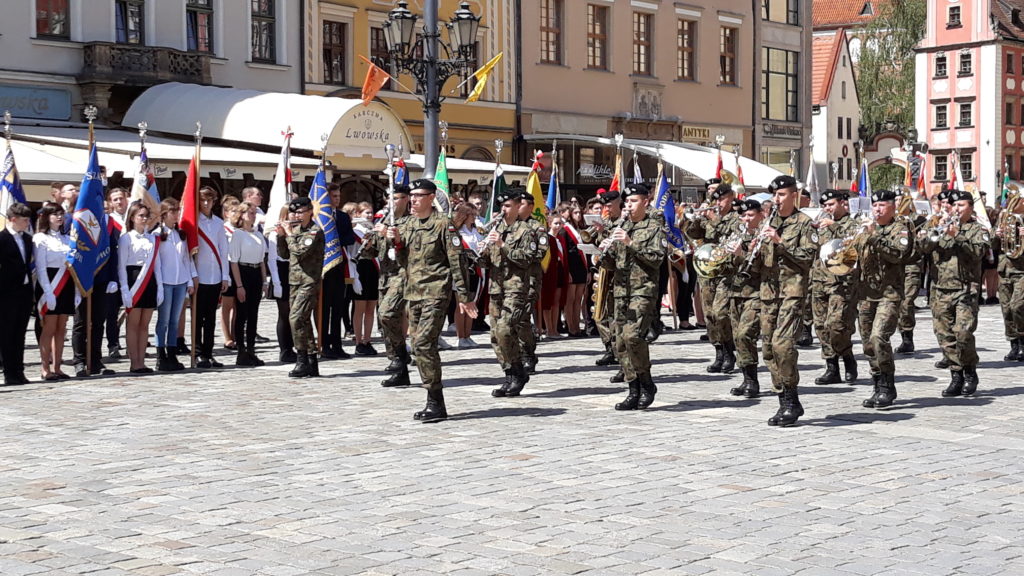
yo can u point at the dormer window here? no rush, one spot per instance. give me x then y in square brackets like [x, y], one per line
[953, 17]
[867, 10]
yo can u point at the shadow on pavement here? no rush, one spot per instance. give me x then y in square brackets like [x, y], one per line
[691, 405]
[509, 412]
[1016, 391]
[980, 399]
[814, 389]
[855, 418]
[570, 392]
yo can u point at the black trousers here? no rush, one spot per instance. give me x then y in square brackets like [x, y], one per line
[247, 313]
[284, 328]
[335, 298]
[207, 298]
[113, 308]
[79, 329]
[14, 315]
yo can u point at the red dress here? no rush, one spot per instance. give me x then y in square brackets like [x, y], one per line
[554, 276]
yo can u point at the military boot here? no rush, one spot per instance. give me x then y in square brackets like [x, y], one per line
[519, 379]
[632, 398]
[742, 388]
[729, 358]
[751, 387]
[400, 377]
[1020, 344]
[619, 377]
[774, 420]
[647, 392]
[314, 364]
[970, 380]
[942, 363]
[716, 366]
[831, 375]
[502, 391]
[956, 384]
[399, 362]
[1014, 352]
[609, 357]
[792, 410]
[870, 402]
[435, 410]
[849, 369]
[805, 336]
[301, 369]
[886, 390]
[907, 346]
[530, 364]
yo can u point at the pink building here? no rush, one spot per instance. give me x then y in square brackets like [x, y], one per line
[968, 91]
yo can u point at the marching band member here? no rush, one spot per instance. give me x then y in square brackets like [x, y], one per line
[1011, 276]
[142, 284]
[391, 311]
[56, 292]
[611, 216]
[745, 301]
[527, 337]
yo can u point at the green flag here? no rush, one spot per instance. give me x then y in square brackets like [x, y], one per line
[441, 200]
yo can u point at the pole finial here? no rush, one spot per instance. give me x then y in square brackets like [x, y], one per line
[199, 132]
[7, 124]
[444, 132]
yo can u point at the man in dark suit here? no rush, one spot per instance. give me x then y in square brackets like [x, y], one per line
[15, 291]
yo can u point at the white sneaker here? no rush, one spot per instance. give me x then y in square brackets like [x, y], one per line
[442, 344]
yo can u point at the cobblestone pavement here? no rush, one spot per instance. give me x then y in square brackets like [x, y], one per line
[243, 471]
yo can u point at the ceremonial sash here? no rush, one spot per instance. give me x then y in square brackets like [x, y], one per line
[476, 270]
[113, 224]
[211, 245]
[57, 284]
[349, 264]
[139, 286]
[577, 240]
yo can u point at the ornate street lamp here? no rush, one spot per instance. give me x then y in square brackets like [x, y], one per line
[421, 58]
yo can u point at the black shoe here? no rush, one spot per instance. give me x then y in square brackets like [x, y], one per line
[81, 372]
[398, 363]
[314, 365]
[243, 359]
[716, 366]
[215, 364]
[704, 338]
[172, 360]
[519, 379]
[728, 358]
[647, 392]
[632, 398]
[870, 402]
[256, 360]
[991, 300]
[204, 363]
[398, 379]
[502, 391]
[530, 364]
[907, 345]
[301, 369]
[435, 410]
[618, 378]
[956, 384]
[183, 348]
[608, 359]
[970, 380]
[104, 371]
[774, 420]
[654, 332]
[1014, 352]
[831, 374]
[805, 336]
[850, 369]
[886, 390]
[114, 354]
[287, 356]
[942, 363]
[792, 410]
[262, 339]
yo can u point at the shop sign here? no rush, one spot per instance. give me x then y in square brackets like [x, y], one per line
[697, 134]
[34, 102]
[783, 131]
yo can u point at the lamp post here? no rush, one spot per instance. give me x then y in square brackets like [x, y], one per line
[420, 57]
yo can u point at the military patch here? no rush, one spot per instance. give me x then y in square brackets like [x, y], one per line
[308, 242]
[533, 245]
[543, 241]
[814, 237]
[664, 243]
[904, 242]
[456, 241]
[984, 237]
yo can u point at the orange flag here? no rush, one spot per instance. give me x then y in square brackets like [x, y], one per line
[376, 77]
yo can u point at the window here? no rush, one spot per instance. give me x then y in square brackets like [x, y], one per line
[965, 114]
[642, 32]
[941, 116]
[779, 85]
[953, 18]
[849, 124]
[842, 85]
[967, 166]
[334, 41]
[551, 31]
[264, 24]
[1009, 164]
[839, 128]
[941, 167]
[129, 21]
[785, 11]
[686, 39]
[940, 66]
[199, 24]
[1009, 108]
[379, 53]
[965, 64]
[1009, 64]
[727, 56]
[52, 18]
[597, 37]
[849, 168]
[839, 170]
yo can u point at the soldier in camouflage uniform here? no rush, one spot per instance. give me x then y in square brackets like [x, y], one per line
[302, 242]
[956, 254]
[1011, 283]
[787, 251]
[745, 305]
[807, 321]
[527, 337]
[636, 250]
[912, 278]
[611, 211]
[507, 257]
[716, 226]
[391, 308]
[429, 252]
[882, 250]
[834, 296]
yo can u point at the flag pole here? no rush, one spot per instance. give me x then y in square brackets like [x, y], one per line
[195, 293]
[90, 114]
[390, 150]
[320, 292]
[499, 144]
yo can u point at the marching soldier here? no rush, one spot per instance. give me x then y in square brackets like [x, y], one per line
[1011, 276]
[429, 251]
[788, 248]
[507, 253]
[834, 296]
[942, 207]
[302, 242]
[637, 249]
[807, 320]
[745, 304]
[912, 278]
[611, 210]
[715, 226]
[956, 253]
[527, 337]
[884, 247]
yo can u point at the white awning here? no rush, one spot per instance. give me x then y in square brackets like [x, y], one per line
[461, 170]
[354, 131]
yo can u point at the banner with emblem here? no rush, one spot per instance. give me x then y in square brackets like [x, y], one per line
[323, 214]
[90, 243]
[664, 201]
[11, 190]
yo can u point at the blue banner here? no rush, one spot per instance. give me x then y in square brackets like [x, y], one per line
[663, 201]
[90, 242]
[323, 214]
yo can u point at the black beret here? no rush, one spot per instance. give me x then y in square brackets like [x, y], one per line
[636, 190]
[955, 195]
[749, 204]
[526, 196]
[943, 195]
[711, 182]
[883, 196]
[508, 194]
[609, 197]
[402, 189]
[300, 203]
[738, 204]
[721, 192]
[424, 184]
[782, 182]
[832, 194]
[805, 192]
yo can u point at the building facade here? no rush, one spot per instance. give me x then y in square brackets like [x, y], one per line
[835, 110]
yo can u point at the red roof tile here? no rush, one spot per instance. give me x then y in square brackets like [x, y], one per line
[844, 13]
[825, 51]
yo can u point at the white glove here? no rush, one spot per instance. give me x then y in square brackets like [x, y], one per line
[51, 301]
[111, 287]
[126, 299]
[277, 290]
[159, 295]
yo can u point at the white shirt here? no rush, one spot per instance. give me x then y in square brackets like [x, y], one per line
[210, 272]
[471, 236]
[51, 250]
[136, 249]
[246, 247]
[20, 239]
[175, 263]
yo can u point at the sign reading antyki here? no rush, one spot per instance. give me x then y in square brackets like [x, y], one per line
[693, 133]
[40, 103]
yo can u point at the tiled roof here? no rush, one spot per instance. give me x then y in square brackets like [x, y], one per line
[1006, 24]
[825, 50]
[844, 13]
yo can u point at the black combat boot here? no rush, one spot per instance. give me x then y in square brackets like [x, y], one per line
[161, 360]
[956, 384]
[530, 363]
[1020, 344]
[399, 362]
[774, 420]
[399, 377]
[792, 410]
[729, 358]
[907, 346]
[886, 390]
[850, 368]
[805, 336]
[301, 369]
[716, 366]
[435, 410]
[942, 363]
[751, 387]
[742, 388]
[314, 365]
[242, 357]
[609, 357]
[519, 379]
[1014, 353]
[502, 391]
[619, 377]
[970, 380]
[632, 398]
[647, 392]
[831, 375]
[870, 402]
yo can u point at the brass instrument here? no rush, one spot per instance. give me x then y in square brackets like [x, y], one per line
[485, 231]
[734, 182]
[840, 256]
[934, 229]
[708, 260]
[755, 247]
[603, 285]
[905, 207]
[1008, 227]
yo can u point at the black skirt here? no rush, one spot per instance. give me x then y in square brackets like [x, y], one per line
[66, 296]
[282, 273]
[369, 277]
[148, 298]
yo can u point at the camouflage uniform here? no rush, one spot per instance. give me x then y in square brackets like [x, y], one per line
[716, 306]
[881, 257]
[304, 249]
[508, 269]
[834, 297]
[524, 328]
[1011, 300]
[605, 326]
[391, 306]
[913, 274]
[745, 303]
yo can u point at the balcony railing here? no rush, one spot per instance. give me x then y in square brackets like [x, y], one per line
[142, 65]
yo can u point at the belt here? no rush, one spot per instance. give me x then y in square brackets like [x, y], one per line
[248, 265]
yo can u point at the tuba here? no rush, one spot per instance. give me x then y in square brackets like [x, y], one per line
[905, 207]
[1009, 225]
[734, 182]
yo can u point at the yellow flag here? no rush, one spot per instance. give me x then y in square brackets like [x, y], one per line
[481, 78]
[533, 189]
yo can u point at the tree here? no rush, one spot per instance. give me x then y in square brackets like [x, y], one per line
[885, 71]
[886, 176]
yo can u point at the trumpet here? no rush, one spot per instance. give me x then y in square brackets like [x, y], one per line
[935, 231]
[758, 243]
[699, 212]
